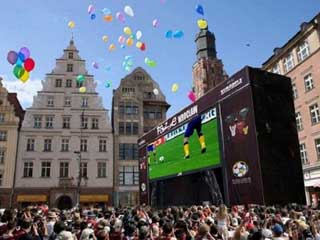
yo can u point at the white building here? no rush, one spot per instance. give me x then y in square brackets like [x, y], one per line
[62, 132]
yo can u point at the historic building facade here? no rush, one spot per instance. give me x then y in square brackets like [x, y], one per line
[208, 70]
[65, 153]
[135, 110]
[11, 116]
[299, 59]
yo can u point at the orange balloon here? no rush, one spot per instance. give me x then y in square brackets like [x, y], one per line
[129, 42]
[108, 18]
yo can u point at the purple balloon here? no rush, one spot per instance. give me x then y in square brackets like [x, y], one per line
[12, 57]
[95, 65]
[26, 52]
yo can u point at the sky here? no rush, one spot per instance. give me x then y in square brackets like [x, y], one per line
[42, 26]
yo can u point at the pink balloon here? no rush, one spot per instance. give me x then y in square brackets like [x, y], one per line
[120, 16]
[192, 96]
[121, 39]
[155, 23]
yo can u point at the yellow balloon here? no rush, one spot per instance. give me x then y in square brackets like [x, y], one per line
[129, 42]
[202, 24]
[127, 31]
[105, 38]
[25, 77]
[112, 47]
[71, 24]
[174, 87]
[139, 44]
[82, 89]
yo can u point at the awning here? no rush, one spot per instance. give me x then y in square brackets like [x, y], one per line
[312, 183]
[94, 198]
[32, 198]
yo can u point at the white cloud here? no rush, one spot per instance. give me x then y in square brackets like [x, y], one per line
[25, 91]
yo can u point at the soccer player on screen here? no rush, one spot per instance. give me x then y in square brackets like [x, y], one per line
[194, 124]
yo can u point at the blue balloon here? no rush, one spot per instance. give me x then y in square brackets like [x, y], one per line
[106, 11]
[178, 34]
[169, 34]
[199, 9]
[123, 46]
[93, 16]
[21, 56]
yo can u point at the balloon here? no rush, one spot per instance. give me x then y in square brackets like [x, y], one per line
[12, 57]
[155, 91]
[123, 46]
[107, 84]
[108, 68]
[128, 68]
[202, 24]
[127, 31]
[132, 36]
[80, 78]
[122, 39]
[139, 44]
[120, 16]
[19, 62]
[192, 96]
[150, 62]
[25, 76]
[93, 16]
[29, 64]
[82, 89]
[199, 9]
[174, 87]
[108, 18]
[18, 71]
[105, 38]
[138, 35]
[143, 47]
[95, 65]
[129, 42]
[128, 10]
[71, 24]
[106, 11]
[91, 9]
[25, 51]
[169, 34]
[112, 47]
[178, 34]
[155, 23]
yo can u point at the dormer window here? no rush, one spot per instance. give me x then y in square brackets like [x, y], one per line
[69, 67]
[70, 55]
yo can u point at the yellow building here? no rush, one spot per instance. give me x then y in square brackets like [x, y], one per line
[11, 116]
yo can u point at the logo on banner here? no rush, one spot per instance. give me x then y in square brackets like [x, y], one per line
[143, 187]
[240, 169]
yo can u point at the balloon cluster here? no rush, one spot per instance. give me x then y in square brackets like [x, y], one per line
[23, 63]
[91, 11]
[127, 63]
[202, 24]
[176, 34]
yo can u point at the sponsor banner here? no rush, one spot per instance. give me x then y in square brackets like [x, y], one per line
[94, 198]
[32, 198]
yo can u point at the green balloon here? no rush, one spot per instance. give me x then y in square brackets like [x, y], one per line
[18, 71]
[80, 78]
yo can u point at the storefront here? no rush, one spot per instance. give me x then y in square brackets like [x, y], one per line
[34, 199]
[312, 186]
[101, 200]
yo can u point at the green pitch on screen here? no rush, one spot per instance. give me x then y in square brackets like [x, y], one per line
[172, 155]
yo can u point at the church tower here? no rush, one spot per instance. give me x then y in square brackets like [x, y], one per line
[208, 70]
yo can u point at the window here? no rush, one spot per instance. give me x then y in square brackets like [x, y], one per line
[2, 156]
[66, 122]
[50, 101]
[2, 117]
[37, 122]
[152, 113]
[28, 169]
[317, 144]
[79, 84]
[129, 175]
[102, 145]
[84, 102]
[303, 51]
[69, 67]
[149, 95]
[128, 128]
[128, 109]
[128, 91]
[30, 145]
[84, 170]
[45, 169]
[294, 91]
[69, 83]
[83, 145]
[308, 82]
[49, 122]
[299, 121]
[58, 83]
[102, 169]
[303, 153]
[276, 69]
[84, 122]
[47, 145]
[65, 145]
[64, 169]
[315, 114]
[70, 55]
[128, 151]
[95, 123]
[288, 63]
[1, 178]
[67, 101]
[138, 77]
[3, 136]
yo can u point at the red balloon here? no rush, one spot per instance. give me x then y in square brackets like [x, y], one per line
[29, 64]
[143, 47]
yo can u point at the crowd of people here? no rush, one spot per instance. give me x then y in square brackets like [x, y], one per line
[174, 223]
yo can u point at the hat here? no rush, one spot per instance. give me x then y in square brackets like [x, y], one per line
[52, 215]
[277, 229]
[65, 235]
[302, 218]
[266, 233]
